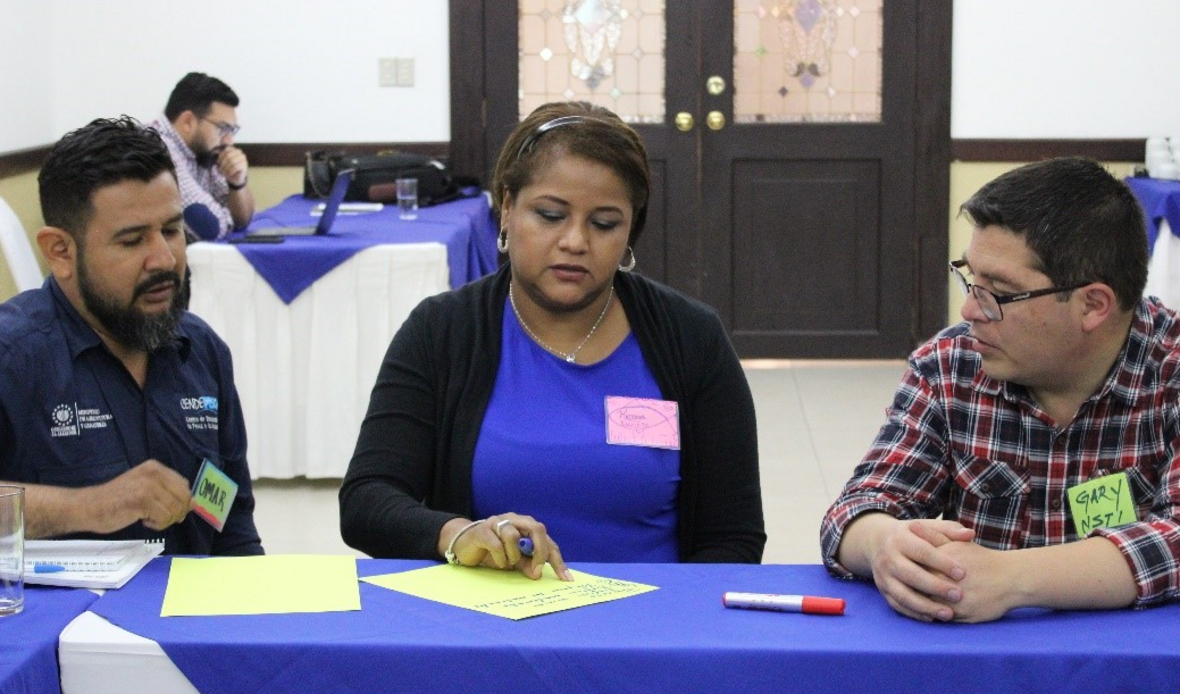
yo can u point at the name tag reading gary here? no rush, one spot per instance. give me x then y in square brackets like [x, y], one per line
[642, 422]
[213, 493]
[1101, 503]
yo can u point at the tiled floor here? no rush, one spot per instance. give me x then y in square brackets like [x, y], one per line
[815, 420]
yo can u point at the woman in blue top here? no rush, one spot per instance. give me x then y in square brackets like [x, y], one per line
[563, 398]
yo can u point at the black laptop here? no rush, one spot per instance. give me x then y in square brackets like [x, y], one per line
[339, 188]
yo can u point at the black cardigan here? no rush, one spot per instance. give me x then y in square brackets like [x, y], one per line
[411, 470]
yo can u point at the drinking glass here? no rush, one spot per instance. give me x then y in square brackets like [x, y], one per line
[12, 549]
[407, 198]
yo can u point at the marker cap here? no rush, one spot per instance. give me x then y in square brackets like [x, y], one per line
[526, 546]
[833, 606]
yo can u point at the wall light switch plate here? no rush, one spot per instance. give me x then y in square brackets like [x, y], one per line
[405, 72]
[395, 72]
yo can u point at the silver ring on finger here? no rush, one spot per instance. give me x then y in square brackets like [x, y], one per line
[501, 525]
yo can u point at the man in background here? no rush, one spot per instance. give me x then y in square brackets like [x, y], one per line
[1031, 456]
[198, 125]
[113, 396]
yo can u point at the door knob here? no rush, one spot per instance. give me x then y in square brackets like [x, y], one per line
[684, 121]
[715, 120]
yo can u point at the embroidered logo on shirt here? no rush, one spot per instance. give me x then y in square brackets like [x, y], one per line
[63, 421]
[70, 420]
[205, 407]
[205, 403]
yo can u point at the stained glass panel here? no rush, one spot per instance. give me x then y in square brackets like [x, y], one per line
[807, 61]
[607, 52]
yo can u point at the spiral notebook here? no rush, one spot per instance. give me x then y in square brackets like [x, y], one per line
[87, 563]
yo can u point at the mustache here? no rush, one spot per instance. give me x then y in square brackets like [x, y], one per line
[154, 280]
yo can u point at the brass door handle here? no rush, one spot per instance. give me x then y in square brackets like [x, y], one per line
[684, 121]
[715, 120]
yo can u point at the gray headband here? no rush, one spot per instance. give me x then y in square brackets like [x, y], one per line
[550, 125]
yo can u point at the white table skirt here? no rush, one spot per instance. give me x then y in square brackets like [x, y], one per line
[304, 370]
[97, 657]
[1163, 270]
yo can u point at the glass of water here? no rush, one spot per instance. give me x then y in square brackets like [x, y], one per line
[407, 198]
[12, 549]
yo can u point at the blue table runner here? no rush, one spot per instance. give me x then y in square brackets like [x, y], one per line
[464, 226]
[676, 639]
[1160, 200]
[28, 641]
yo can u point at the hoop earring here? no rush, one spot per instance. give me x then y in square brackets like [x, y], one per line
[502, 241]
[629, 265]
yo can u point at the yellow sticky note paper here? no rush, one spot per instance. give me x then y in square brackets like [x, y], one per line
[1101, 503]
[272, 584]
[507, 593]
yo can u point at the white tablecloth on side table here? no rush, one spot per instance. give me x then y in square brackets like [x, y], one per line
[304, 370]
[98, 657]
[1163, 269]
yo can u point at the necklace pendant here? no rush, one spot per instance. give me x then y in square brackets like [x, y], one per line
[569, 358]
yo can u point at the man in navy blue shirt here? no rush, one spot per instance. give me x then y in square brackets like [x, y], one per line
[112, 394]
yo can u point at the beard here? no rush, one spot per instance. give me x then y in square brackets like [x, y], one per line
[205, 156]
[128, 325]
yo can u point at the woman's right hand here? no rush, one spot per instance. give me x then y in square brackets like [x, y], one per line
[493, 543]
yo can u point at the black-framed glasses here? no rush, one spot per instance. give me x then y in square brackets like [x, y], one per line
[990, 302]
[223, 129]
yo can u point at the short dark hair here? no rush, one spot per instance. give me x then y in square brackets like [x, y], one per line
[592, 132]
[102, 153]
[1082, 223]
[197, 92]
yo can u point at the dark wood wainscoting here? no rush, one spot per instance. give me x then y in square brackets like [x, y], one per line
[259, 154]
[1036, 150]
[292, 154]
[22, 160]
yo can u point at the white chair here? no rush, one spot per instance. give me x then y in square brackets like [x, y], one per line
[18, 251]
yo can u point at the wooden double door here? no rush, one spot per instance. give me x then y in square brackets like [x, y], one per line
[811, 239]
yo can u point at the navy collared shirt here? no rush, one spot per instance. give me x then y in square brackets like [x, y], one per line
[71, 415]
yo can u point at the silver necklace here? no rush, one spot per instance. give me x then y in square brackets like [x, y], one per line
[568, 356]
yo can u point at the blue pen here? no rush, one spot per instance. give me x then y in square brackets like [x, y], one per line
[526, 546]
[47, 568]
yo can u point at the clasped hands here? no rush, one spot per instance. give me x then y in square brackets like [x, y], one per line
[931, 570]
[493, 543]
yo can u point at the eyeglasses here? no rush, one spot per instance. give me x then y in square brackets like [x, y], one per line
[990, 303]
[224, 129]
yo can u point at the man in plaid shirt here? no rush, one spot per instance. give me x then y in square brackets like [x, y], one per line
[198, 125]
[968, 503]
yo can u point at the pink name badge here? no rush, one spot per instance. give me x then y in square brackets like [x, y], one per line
[642, 422]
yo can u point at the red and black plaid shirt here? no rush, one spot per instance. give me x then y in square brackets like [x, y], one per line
[966, 447]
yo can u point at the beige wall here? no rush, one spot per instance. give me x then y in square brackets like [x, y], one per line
[20, 192]
[966, 178]
[270, 185]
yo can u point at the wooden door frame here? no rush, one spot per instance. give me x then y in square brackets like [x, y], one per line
[932, 94]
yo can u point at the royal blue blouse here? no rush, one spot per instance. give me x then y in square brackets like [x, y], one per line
[543, 452]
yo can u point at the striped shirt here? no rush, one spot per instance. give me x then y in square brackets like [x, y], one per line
[979, 451]
[198, 185]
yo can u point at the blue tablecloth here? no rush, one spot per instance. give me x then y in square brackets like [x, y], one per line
[675, 639]
[28, 641]
[1160, 200]
[464, 226]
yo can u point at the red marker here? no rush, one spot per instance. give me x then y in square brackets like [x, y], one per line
[784, 603]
